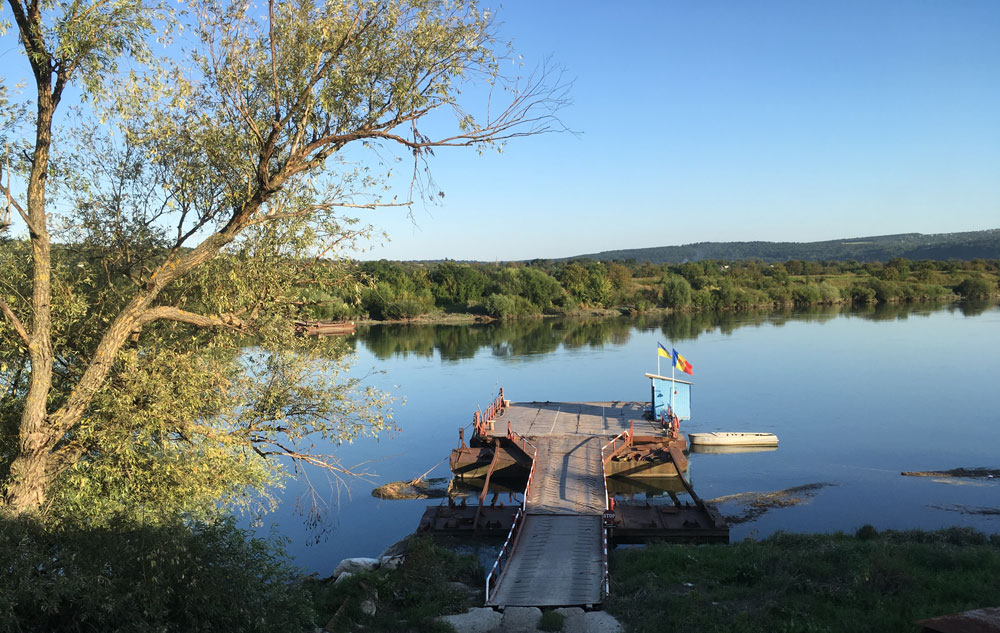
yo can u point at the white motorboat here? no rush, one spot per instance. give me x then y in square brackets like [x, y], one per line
[720, 438]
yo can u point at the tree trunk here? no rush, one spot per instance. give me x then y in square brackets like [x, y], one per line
[32, 468]
[30, 476]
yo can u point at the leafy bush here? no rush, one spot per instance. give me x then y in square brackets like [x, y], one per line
[779, 294]
[198, 577]
[406, 599]
[386, 302]
[975, 287]
[806, 294]
[859, 293]
[828, 293]
[676, 292]
[406, 309]
[551, 621]
[885, 291]
[702, 299]
[507, 306]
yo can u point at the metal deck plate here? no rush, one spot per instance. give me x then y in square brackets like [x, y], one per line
[557, 562]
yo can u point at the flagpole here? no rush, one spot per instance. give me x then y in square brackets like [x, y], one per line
[673, 383]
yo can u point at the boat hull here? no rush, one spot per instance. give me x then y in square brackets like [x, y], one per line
[733, 439]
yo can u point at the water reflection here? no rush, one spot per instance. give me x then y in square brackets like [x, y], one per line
[533, 337]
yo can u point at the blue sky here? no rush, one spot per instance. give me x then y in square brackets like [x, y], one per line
[724, 121]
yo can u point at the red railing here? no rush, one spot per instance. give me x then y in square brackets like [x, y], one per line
[625, 438]
[481, 420]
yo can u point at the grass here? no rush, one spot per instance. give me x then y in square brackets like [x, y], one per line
[407, 598]
[869, 582]
[551, 621]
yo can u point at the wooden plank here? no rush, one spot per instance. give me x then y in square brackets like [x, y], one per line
[537, 419]
[568, 477]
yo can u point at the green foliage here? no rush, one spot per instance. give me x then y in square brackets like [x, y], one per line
[975, 287]
[859, 294]
[507, 306]
[457, 283]
[828, 292]
[173, 577]
[806, 294]
[408, 598]
[176, 428]
[869, 582]
[676, 292]
[535, 286]
[319, 305]
[551, 621]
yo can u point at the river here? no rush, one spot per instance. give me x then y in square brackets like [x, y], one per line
[855, 396]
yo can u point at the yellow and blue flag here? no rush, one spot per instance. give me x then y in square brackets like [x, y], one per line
[662, 351]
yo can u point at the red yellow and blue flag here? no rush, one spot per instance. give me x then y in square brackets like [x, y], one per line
[681, 363]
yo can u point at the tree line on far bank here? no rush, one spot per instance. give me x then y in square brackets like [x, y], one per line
[387, 290]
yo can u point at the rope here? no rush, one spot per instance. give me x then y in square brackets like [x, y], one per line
[414, 482]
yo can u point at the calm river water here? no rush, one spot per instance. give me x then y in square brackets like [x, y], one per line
[854, 396]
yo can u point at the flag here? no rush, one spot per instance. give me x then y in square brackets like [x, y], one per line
[662, 351]
[681, 363]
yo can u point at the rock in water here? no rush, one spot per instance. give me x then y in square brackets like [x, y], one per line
[354, 565]
[423, 489]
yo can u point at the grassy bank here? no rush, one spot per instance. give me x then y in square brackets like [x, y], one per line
[216, 577]
[866, 582]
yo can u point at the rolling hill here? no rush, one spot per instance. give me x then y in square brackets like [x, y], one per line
[940, 246]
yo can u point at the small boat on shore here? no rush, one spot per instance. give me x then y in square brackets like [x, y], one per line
[733, 439]
[324, 328]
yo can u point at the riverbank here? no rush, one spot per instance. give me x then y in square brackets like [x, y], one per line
[447, 292]
[868, 581]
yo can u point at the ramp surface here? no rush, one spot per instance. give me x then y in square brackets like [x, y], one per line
[558, 557]
[557, 562]
[568, 476]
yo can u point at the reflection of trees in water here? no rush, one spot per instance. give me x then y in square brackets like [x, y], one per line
[385, 341]
[542, 336]
[505, 338]
[973, 308]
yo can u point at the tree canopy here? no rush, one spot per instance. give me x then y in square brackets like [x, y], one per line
[147, 359]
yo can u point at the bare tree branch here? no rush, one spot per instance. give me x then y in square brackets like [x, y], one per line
[171, 313]
[12, 202]
[18, 326]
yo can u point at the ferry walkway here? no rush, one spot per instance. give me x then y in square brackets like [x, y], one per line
[556, 554]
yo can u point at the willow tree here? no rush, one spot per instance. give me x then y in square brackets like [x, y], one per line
[193, 199]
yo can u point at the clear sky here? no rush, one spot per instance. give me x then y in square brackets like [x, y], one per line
[725, 121]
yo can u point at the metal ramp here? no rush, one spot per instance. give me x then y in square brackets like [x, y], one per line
[556, 553]
[557, 562]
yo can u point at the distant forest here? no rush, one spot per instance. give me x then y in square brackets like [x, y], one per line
[880, 248]
[384, 290]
